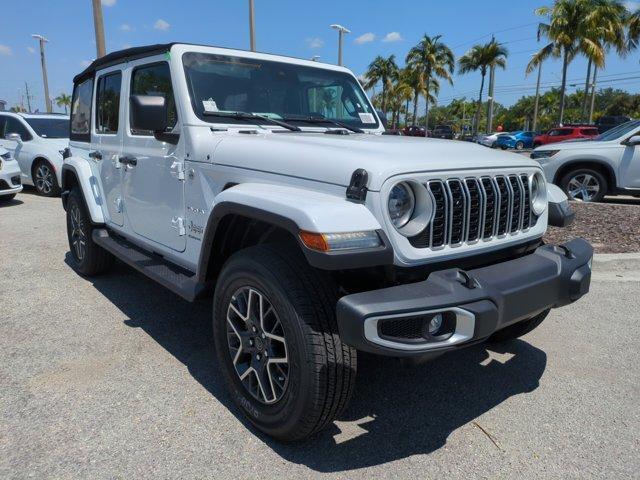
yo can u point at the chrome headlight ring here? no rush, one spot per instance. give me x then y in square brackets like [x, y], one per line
[415, 213]
[538, 193]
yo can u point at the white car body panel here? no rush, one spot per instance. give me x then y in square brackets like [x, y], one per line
[8, 169]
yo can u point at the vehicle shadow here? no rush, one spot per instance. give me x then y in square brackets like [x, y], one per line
[10, 203]
[396, 411]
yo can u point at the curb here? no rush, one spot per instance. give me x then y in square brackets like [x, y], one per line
[616, 262]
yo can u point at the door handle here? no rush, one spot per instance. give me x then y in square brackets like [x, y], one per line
[96, 155]
[128, 160]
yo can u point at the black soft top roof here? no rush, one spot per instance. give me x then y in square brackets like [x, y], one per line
[120, 56]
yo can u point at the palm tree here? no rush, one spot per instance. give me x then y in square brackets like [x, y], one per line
[482, 57]
[381, 70]
[63, 100]
[431, 59]
[633, 23]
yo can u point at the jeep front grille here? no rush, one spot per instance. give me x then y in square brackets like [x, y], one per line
[470, 209]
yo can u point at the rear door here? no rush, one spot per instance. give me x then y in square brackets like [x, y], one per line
[106, 140]
[153, 186]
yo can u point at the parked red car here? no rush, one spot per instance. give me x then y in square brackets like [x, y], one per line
[568, 132]
[414, 131]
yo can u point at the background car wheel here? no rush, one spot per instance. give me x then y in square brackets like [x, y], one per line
[277, 342]
[44, 179]
[519, 329]
[7, 198]
[503, 147]
[88, 258]
[519, 145]
[584, 184]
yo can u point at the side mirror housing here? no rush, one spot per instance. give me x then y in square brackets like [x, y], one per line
[635, 140]
[148, 112]
[14, 137]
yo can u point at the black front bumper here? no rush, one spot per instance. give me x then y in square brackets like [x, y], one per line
[494, 297]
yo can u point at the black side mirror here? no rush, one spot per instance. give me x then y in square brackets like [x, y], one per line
[633, 141]
[148, 112]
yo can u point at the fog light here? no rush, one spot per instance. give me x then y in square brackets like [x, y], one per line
[435, 324]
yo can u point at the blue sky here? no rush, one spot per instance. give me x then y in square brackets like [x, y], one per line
[291, 27]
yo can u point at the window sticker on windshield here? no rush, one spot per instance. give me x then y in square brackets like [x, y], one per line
[210, 105]
[367, 118]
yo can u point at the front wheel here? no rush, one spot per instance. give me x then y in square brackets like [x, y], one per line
[44, 179]
[519, 145]
[584, 184]
[277, 342]
[88, 258]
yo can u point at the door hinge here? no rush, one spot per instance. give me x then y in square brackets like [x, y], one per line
[177, 170]
[177, 223]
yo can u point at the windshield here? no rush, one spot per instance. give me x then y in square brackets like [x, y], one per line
[50, 127]
[220, 83]
[619, 131]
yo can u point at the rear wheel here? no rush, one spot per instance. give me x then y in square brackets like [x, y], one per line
[584, 184]
[519, 329]
[88, 257]
[277, 342]
[44, 179]
[519, 145]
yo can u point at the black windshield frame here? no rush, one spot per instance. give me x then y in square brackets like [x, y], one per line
[290, 72]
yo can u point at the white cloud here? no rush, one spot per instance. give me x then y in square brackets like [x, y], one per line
[161, 24]
[85, 63]
[125, 27]
[5, 50]
[632, 6]
[31, 50]
[392, 37]
[108, 3]
[315, 42]
[365, 38]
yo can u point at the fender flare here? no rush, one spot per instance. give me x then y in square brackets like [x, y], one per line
[278, 208]
[88, 186]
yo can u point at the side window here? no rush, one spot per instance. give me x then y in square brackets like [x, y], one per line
[554, 133]
[13, 125]
[108, 103]
[3, 121]
[155, 80]
[81, 111]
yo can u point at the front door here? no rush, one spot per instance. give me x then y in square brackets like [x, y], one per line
[106, 141]
[153, 182]
[629, 170]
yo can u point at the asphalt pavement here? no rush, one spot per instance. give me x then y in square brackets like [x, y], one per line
[115, 377]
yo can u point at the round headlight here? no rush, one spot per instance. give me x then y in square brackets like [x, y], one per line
[538, 194]
[402, 202]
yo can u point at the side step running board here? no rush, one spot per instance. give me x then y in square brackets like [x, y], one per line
[173, 277]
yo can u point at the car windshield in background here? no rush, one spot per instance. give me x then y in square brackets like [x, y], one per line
[619, 131]
[220, 83]
[50, 127]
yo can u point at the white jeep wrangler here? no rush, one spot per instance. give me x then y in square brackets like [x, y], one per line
[264, 181]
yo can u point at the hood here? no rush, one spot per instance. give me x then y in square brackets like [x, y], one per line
[579, 144]
[333, 158]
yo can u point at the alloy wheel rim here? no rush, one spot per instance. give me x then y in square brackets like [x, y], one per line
[78, 239]
[257, 345]
[44, 179]
[583, 187]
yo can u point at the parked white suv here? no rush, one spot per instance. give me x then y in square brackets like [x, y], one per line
[263, 181]
[10, 184]
[587, 170]
[36, 141]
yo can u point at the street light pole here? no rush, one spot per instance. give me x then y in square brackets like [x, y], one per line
[98, 26]
[535, 108]
[492, 79]
[252, 27]
[47, 99]
[341, 31]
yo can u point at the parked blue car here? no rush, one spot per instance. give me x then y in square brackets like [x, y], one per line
[517, 140]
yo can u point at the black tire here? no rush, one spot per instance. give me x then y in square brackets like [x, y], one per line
[519, 145]
[7, 198]
[321, 370]
[503, 147]
[88, 258]
[594, 178]
[44, 179]
[519, 329]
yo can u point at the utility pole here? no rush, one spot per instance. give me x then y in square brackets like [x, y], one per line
[492, 79]
[98, 26]
[252, 27]
[47, 99]
[535, 108]
[593, 94]
[26, 88]
[341, 31]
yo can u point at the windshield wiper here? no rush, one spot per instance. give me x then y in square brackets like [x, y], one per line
[319, 120]
[252, 116]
